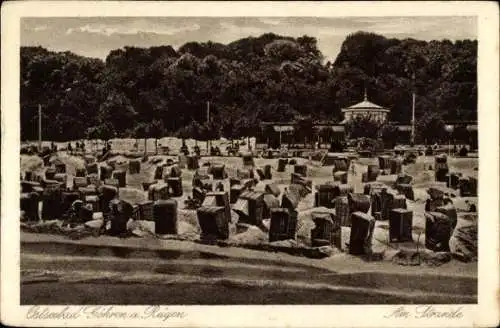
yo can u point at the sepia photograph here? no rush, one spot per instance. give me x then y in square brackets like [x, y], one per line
[260, 160]
[248, 160]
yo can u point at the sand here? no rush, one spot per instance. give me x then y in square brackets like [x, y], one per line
[187, 219]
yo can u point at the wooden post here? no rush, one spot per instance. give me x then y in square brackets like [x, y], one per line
[208, 111]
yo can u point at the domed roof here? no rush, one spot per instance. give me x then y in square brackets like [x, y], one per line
[365, 105]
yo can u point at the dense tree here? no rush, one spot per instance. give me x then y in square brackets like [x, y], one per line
[389, 134]
[246, 126]
[141, 131]
[208, 132]
[326, 134]
[363, 127]
[66, 86]
[102, 131]
[119, 112]
[254, 79]
[431, 128]
[305, 129]
[156, 130]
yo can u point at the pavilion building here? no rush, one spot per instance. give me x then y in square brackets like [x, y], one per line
[284, 132]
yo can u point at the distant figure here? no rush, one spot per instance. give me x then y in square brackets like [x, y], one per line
[70, 148]
[184, 148]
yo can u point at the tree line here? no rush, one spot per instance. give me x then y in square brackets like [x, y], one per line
[160, 91]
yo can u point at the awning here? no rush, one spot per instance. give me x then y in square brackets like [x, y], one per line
[334, 128]
[283, 128]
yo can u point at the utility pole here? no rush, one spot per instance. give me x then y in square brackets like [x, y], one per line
[413, 106]
[413, 119]
[209, 143]
[39, 127]
[208, 111]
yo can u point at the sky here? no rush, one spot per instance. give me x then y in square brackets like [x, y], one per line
[97, 36]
